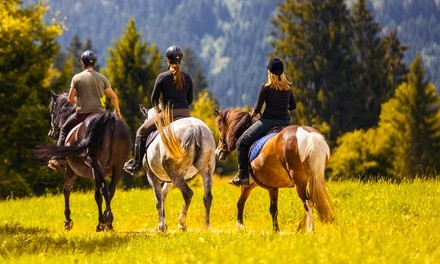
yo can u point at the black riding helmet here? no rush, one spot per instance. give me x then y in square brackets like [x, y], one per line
[174, 54]
[89, 58]
[275, 66]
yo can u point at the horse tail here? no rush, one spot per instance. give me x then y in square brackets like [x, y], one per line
[168, 135]
[91, 143]
[317, 151]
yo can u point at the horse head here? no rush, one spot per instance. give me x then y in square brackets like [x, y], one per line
[60, 109]
[231, 124]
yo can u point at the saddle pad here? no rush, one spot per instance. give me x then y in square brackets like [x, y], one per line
[258, 145]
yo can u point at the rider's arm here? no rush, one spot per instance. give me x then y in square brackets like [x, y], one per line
[114, 98]
[72, 95]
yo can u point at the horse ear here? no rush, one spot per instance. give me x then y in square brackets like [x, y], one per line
[143, 110]
[53, 95]
[216, 111]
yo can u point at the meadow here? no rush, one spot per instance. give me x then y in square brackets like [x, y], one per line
[377, 222]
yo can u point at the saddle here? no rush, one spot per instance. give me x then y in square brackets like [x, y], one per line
[151, 137]
[258, 145]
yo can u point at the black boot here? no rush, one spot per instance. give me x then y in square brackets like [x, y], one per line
[134, 165]
[242, 177]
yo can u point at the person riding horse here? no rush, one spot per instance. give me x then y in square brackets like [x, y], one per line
[279, 100]
[87, 90]
[176, 88]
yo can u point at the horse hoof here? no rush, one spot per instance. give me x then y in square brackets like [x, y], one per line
[162, 227]
[240, 226]
[101, 227]
[68, 224]
[182, 227]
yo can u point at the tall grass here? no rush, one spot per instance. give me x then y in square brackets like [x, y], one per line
[375, 223]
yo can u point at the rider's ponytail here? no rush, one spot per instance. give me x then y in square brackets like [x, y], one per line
[179, 81]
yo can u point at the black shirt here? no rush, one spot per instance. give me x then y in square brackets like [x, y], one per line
[278, 103]
[177, 98]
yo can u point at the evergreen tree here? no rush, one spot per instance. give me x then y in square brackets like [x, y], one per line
[191, 65]
[411, 120]
[313, 38]
[27, 48]
[132, 67]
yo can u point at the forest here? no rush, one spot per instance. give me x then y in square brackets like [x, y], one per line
[347, 61]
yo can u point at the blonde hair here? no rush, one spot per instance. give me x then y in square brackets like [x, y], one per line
[277, 82]
[179, 81]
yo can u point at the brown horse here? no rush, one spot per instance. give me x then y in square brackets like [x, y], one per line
[295, 157]
[96, 148]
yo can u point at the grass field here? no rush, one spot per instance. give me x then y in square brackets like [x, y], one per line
[376, 223]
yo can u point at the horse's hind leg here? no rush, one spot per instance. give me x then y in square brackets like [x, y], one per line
[306, 223]
[245, 192]
[70, 178]
[187, 194]
[159, 195]
[273, 193]
[207, 197]
[101, 190]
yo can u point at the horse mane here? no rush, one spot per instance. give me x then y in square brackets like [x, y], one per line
[66, 108]
[238, 122]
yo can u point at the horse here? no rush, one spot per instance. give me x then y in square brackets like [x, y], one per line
[95, 149]
[183, 148]
[294, 157]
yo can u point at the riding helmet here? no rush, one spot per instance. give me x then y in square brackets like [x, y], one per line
[275, 66]
[89, 58]
[174, 54]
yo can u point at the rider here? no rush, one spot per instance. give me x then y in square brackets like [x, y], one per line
[277, 96]
[176, 89]
[87, 89]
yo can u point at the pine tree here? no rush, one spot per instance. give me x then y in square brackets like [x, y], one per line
[313, 38]
[132, 67]
[411, 120]
[191, 65]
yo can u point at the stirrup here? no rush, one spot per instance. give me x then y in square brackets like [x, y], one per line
[131, 167]
[236, 181]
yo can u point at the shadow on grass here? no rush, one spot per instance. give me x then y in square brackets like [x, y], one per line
[17, 240]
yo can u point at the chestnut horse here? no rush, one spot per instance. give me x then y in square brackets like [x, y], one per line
[294, 157]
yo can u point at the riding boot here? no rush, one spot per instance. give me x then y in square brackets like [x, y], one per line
[242, 177]
[134, 165]
[56, 163]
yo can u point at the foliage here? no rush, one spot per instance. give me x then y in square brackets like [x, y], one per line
[27, 48]
[132, 67]
[336, 59]
[376, 223]
[191, 65]
[411, 120]
[406, 142]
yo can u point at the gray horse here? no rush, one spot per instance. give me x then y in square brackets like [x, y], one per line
[183, 149]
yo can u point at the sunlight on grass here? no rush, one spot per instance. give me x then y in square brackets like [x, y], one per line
[376, 223]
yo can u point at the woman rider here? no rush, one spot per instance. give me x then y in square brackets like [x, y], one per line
[277, 96]
[176, 89]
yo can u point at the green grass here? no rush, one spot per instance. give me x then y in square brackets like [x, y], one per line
[376, 223]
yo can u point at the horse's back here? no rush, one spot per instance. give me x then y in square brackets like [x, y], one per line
[282, 156]
[198, 142]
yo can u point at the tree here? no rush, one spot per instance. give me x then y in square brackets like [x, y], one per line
[411, 119]
[132, 67]
[24, 70]
[191, 65]
[313, 39]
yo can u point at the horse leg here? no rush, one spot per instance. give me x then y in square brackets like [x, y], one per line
[273, 193]
[207, 197]
[101, 190]
[187, 194]
[245, 192]
[159, 195]
[306, 223]
[70, 178]
[116, 176]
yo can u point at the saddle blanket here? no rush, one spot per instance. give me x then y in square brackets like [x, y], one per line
[258, 145]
